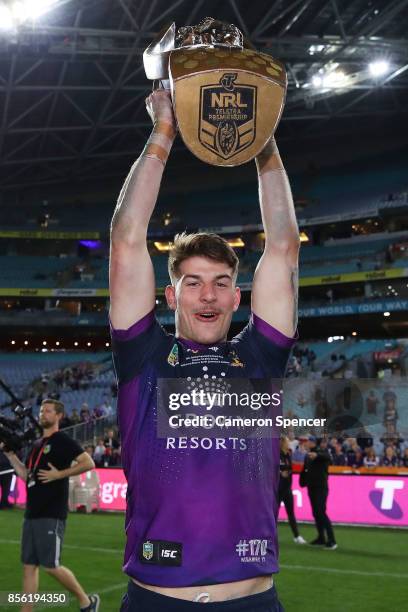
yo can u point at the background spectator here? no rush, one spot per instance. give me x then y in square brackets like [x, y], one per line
[390, 458]
[338, 457]
[371, 459]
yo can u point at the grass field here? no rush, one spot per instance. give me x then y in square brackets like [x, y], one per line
[368, 572]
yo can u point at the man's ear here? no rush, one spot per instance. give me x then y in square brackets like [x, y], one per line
[170, 294]
[237, 298]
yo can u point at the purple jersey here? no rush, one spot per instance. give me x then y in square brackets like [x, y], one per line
[199, 510]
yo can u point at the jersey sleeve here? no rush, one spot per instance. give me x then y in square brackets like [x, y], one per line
[67, 450]
[134, 346]
[72, 449]
[268, 346]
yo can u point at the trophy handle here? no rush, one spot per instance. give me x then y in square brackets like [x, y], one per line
[161, 84]
[156, 56]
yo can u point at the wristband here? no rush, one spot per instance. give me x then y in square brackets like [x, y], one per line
[165, 129]
[160, 142]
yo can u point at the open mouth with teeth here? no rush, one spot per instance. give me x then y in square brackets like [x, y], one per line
[207, 317]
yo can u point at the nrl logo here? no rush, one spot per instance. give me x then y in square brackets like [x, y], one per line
[214, 348]
[227, 116]
[147, 551]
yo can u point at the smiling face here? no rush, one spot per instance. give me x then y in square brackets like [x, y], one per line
[204, 299]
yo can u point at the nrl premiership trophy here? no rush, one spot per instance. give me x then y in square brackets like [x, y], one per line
[227, 97]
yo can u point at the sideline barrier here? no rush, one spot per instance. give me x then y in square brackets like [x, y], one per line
[363, 500]
[376, 499]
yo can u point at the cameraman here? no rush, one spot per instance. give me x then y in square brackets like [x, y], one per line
[316, 475]
[46, 473]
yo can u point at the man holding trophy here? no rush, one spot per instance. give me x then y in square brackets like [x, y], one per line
[201, 519]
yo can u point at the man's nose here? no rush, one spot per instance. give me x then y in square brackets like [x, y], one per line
[208, 293]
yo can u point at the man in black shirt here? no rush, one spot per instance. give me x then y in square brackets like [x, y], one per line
[316, 472]
[285, 487]
[46, 473]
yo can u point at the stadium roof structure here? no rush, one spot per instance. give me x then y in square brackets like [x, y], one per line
[72, 83]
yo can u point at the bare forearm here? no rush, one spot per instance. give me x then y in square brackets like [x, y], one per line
[277, 271]
[276, 201]
[140, 190]
[18, 466]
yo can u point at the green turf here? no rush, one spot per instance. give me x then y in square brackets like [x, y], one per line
[368, 572]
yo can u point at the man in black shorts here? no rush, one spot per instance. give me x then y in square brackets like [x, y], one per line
[46, 473]
[316, 467]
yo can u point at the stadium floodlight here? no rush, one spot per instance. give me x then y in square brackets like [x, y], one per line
[18, 12]
[315, 49]
[378, 68]
[36, 8]
[331, 80]
[6, 18]
[334, 79]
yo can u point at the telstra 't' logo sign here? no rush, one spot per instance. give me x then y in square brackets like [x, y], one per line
[384, 501]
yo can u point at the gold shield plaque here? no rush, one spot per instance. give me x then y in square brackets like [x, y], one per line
[227, 102]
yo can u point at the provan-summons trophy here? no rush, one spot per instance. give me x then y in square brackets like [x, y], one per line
[227, 97]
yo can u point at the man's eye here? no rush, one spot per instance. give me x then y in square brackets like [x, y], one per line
[192, 284]
[221, 284]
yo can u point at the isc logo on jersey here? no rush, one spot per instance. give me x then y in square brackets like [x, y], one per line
[169, 554]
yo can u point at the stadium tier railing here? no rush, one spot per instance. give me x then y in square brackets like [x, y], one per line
[89, 432]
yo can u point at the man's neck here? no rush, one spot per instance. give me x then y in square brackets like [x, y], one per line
[50, 431]
[187, 340]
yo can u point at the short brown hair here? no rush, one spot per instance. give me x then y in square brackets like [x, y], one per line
[59, 406]
[202, 244]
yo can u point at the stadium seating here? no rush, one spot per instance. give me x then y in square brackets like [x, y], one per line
[20, 370]
[38, 271]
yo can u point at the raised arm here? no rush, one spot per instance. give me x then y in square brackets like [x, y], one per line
[275, 284]
[131, 275]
